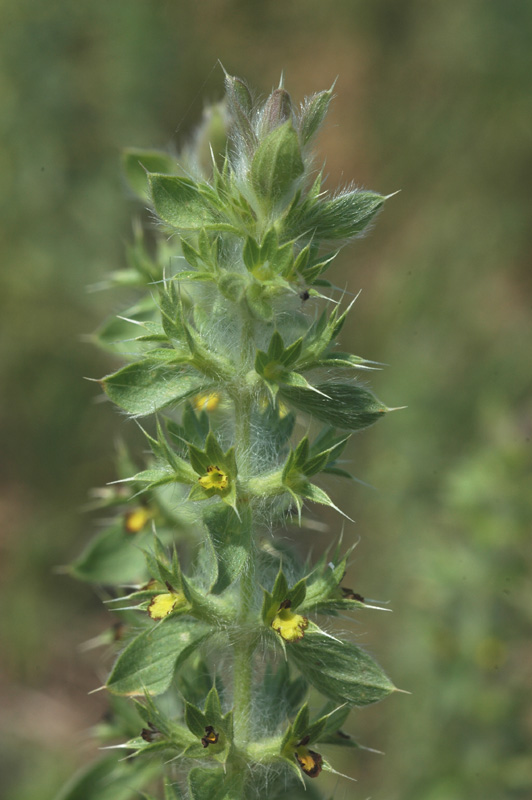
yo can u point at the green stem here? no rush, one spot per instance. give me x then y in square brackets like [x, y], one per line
[244, 648]
[245, 640]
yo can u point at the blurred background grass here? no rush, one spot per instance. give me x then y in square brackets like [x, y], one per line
[433, 99]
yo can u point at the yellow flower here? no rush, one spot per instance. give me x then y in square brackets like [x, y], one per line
[135, 520]
[207, 402]
[215, 478]
[289, 626]
[163, 604]
[309, 761]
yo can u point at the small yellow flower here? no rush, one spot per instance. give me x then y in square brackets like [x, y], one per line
[215, 478]
[291, 627]
[135, 520]
[163, 604]
[207, 402]
[309, 761]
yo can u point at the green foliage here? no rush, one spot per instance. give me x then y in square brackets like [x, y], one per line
[344, 405]
[145, 387]
[340, 670]
[277, 164]
[110, 558]
[217, 356]
[109, 779]
[149, 661]
[183, 204]
[344, 216]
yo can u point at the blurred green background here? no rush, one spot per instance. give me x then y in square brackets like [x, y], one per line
[432, 98]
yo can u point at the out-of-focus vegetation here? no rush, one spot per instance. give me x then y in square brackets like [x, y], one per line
[433, 99]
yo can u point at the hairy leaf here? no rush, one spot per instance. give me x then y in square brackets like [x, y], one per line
[144, 387]
[340, 670]
[181, 203]
[277, 163]
[148, 662]
[313, 114]
[113, 557]
[344, 405]
[344, 216]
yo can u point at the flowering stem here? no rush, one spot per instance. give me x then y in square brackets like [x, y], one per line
[232, 328]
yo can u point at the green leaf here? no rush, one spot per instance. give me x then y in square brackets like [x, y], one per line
[143, 388]
[113, 557]
[136, 163]
[110, 779]
[214, 784]
[340, 670]
[149, 662]
[213, 708]
[292, 352]
[311, 492]
[199, 459]
[240, 105]
[195, 719]
[301, 453]
[251, 253]
[277, 164]
[180, 203]
[280, 590]
[323, 583]
[301, 722]
[214, 451]
[336, 359]
[344, 216]
[345, 405]
[327, 729]
[313, 114]
[154, 477]
[297, 593]
[231, 542]
[276, 347]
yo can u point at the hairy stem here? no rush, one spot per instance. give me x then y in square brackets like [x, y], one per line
[245, 644]
[244, 648]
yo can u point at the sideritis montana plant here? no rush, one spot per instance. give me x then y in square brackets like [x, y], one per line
[231, 680]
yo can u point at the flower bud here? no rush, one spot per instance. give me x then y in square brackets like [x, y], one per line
[278, 109]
